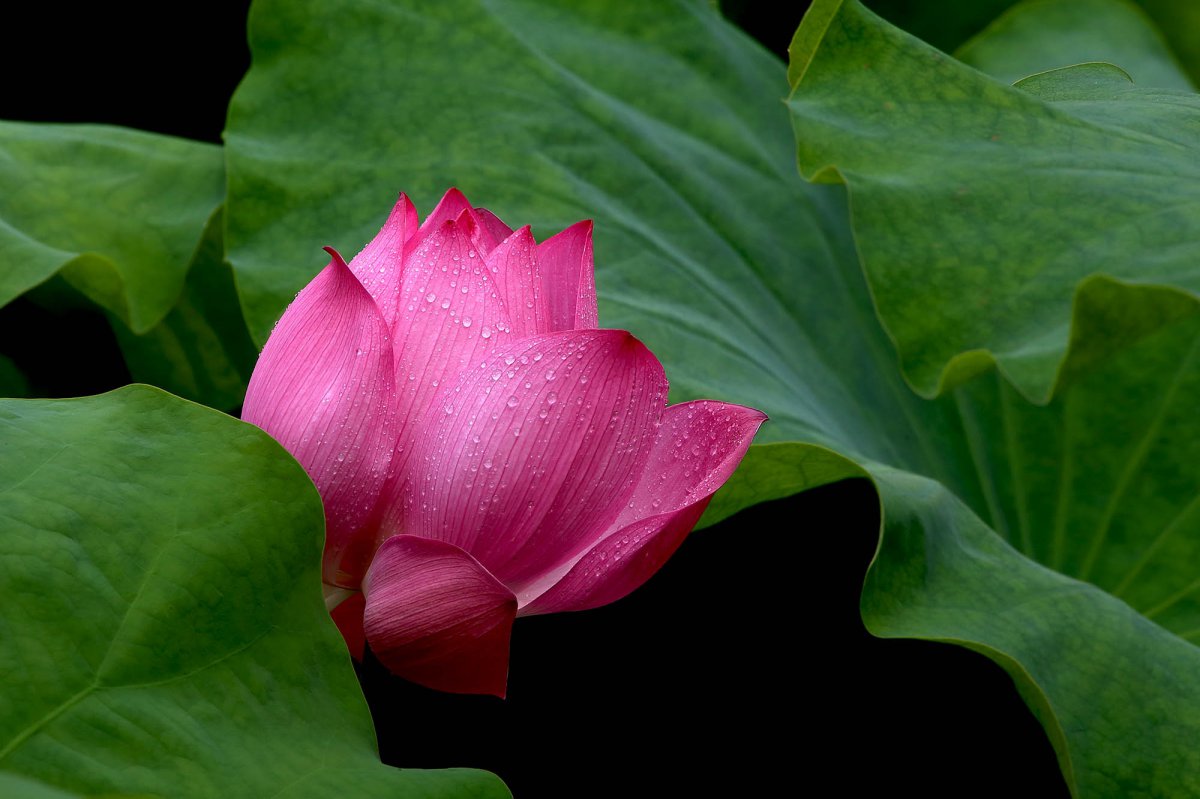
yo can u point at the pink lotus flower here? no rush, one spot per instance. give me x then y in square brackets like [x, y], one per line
[483, 449]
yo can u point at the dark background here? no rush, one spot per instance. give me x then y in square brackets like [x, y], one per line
[742, 668]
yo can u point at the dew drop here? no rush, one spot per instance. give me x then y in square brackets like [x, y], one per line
[466, 321]
[446, 303]
[430, 297]
[513, 402]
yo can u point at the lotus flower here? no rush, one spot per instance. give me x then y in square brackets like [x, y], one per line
[483, 449]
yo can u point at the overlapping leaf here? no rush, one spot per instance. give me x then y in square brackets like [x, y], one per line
[745, 282]
[129, 221]
[948, 24]
[117, 212]
[1039, 35]
[163, 628]
[1021, 188]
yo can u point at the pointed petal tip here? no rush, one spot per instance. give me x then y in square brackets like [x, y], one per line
[524, 234]
[466, 220]
[751, 413]
[582, 229]
[336, 256]
[406, 211]
[625, 342]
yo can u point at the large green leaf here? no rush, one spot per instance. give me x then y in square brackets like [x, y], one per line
[1031, 193]
[702, 225]
[745, 282]
[1038, 35]
[116, 212]
[164, 631]
[1098, 484]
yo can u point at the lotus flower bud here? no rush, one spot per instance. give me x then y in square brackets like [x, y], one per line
[483, 449]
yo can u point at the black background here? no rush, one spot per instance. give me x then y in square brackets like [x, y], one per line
[741, 669]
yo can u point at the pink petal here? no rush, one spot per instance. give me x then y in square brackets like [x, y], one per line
[451, 316]
[379, 265]
[568, 279]
[490, 222]
[698, 447]
[529, 456]
[435, 616]
[515, 269]
[323, 389]
[348, 616]
[452, 206]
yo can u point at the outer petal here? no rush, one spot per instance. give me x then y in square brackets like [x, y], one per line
[323, 388]
[529, 456]
[435, 616]
[699, 446]
[379, 265]
[568, 279]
